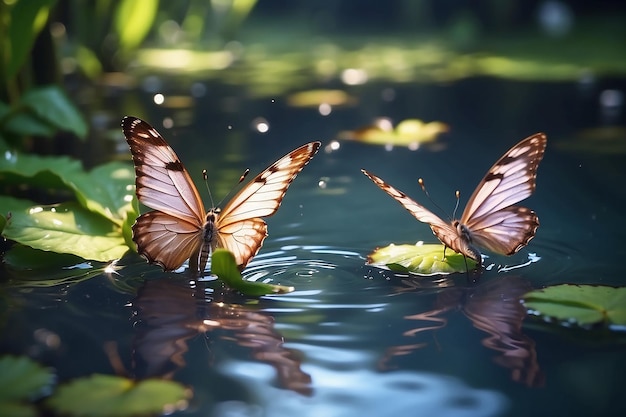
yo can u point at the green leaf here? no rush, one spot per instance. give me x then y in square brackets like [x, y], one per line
[584, 305]
[133, 20]
[108, 189]
[425, 259]
[26, 21]
[9, 205]
[224, 266]
[107, 395]
[52, 105]
[44, 172]
[15, 409]
[5, 110]
[21, 380]
[27, 124]
[25, 258]
[67, 228]
[30, 268]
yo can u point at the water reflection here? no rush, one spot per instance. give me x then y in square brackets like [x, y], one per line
[493, 307]
[170, 312]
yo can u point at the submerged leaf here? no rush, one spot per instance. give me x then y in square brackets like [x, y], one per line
[224, 266]
[584, 305]
[108, 395]
[422, 259]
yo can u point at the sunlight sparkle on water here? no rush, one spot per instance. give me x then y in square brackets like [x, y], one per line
[261, 125]
[354, 76]
[168, 123]
[325, 109]
[158, 99]
[332, 146]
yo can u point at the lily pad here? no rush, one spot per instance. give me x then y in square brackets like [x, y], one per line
[224, 266]
[108, 395]
[21, 380]
[410, 132]
[420, 259]
[582, 305]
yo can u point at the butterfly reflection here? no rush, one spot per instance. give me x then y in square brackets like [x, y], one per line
[170, 312]
[494, 308]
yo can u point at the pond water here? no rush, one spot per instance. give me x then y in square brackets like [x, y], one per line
[355, 340]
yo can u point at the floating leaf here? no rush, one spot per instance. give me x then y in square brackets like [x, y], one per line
[28, 267]
[421, 259]
[584, 305]
[21, 379]
[67, 228]
[313, 98]
[108, 395]
[21, 257]
[408, 133]
[224, 266]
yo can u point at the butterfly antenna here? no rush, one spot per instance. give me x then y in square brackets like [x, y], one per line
[421, 183]
[206, 183]
[241, 178]
[244, 175]
[456, 207]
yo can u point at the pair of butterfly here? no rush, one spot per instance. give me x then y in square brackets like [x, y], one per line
[179, 229]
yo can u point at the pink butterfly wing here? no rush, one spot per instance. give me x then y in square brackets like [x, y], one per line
[444, 231]
[494, 223]
[240, 228]
[166, 240]
[173, 233]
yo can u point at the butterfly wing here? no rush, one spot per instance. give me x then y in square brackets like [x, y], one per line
[494, 223]
[239, 226]
[173, 233]
[166, 240]
[444, 231]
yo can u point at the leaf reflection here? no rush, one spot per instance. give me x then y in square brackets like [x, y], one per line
[170, 312]
[493, 307]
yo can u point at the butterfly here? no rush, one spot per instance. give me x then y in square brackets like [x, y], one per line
[490, 220]
[179, 228]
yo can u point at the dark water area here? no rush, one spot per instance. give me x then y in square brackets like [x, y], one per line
[354, 340]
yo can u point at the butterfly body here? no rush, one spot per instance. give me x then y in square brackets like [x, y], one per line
[179, 228]
[490, 219]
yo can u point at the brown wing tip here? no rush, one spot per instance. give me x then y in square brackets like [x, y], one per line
[530, 234]
[128, 122]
